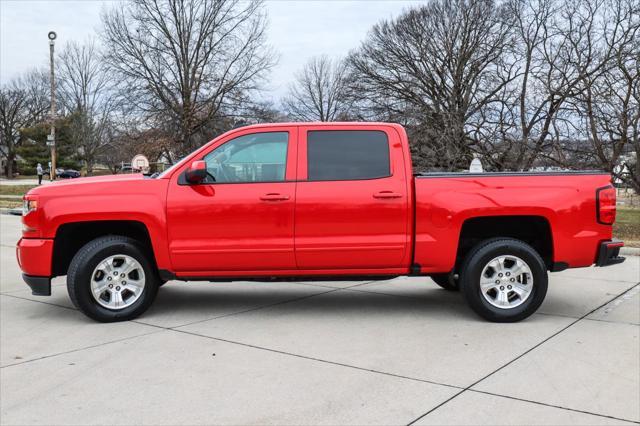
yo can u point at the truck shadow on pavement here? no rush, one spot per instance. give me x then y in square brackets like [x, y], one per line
[193, 300]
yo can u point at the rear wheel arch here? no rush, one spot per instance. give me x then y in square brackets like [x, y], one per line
[534, 230]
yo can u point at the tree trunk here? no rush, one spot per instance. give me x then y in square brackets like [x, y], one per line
[89, 167]
[11, 156]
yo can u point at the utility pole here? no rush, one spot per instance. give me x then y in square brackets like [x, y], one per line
[51, 139]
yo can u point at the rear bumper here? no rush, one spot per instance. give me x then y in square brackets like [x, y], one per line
[40, 286]
[608, 253]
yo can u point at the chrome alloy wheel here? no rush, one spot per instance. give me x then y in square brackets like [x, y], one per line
[117, 282]
[506, 282]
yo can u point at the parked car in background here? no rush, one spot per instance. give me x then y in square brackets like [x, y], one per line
[315, 201]
[69, 174]
[63, 173]
[129, 169]
[47, 171]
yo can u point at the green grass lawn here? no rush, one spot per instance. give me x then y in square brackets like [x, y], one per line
[10, 203]
[15, 189]
[627, 226]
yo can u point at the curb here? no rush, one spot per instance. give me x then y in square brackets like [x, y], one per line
[14, 212]
[630, 251]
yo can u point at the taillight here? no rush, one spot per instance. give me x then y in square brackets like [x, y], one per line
[606, 205]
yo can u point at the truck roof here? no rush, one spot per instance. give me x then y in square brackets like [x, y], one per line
[322, 124]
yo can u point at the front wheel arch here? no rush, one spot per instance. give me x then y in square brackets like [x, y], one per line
[71, 237]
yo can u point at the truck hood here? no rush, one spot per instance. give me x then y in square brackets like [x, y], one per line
[61, 186]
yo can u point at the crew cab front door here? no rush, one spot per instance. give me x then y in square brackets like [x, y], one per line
[241, 217]
[352, 204]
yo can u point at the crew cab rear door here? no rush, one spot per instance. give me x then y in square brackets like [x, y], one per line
[241, 217]
[351, 199]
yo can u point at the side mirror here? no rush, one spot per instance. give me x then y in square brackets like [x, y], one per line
[196, 172]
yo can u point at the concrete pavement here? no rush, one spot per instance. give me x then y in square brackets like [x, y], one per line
[389, 352]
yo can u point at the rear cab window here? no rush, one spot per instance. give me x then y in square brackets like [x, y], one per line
[347, 155]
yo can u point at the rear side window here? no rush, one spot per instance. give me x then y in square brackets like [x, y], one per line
[347, 155]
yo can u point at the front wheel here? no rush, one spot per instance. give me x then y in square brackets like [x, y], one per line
[111, 279]
[504, 280]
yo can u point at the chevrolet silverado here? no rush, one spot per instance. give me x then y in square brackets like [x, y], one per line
[314, 201]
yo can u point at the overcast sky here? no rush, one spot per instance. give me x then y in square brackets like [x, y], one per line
[297, 30]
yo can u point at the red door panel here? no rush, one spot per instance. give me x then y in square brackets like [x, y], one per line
[235, 226]
[352, 224]
[231, 227]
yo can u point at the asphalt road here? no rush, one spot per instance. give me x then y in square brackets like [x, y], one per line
[392, 352]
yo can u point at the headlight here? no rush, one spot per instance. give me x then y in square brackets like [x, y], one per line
[28, 206]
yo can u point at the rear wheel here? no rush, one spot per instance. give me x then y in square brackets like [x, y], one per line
[111, 279]
[504, 280]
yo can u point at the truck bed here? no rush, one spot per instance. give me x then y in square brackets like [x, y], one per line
[564, 201]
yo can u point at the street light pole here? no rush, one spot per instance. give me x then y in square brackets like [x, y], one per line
[51, 139]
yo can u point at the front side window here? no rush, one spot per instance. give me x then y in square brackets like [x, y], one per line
[347, 155]
[258, 157]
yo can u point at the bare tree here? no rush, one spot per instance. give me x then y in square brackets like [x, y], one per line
[264, 112]
[319, 92]
[13, 101]
[436, 66]
[560, 47]
[86, 92]
[23, 102]
[185, 63]
[610, 100]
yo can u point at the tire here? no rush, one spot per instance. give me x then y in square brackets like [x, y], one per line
[88, 273]
[503, 296]
[445, 281]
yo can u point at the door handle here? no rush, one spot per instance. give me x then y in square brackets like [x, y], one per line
[274, 197]
[387, 194]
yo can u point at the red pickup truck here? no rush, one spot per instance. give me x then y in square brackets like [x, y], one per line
[314, 201]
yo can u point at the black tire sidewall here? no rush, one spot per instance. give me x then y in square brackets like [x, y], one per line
[445, 281]
[473, 270]
[82, 280]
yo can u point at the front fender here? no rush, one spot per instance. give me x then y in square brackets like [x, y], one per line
[146, 208]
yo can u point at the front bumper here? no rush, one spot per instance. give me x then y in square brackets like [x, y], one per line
[34, 257]
[608, 253]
